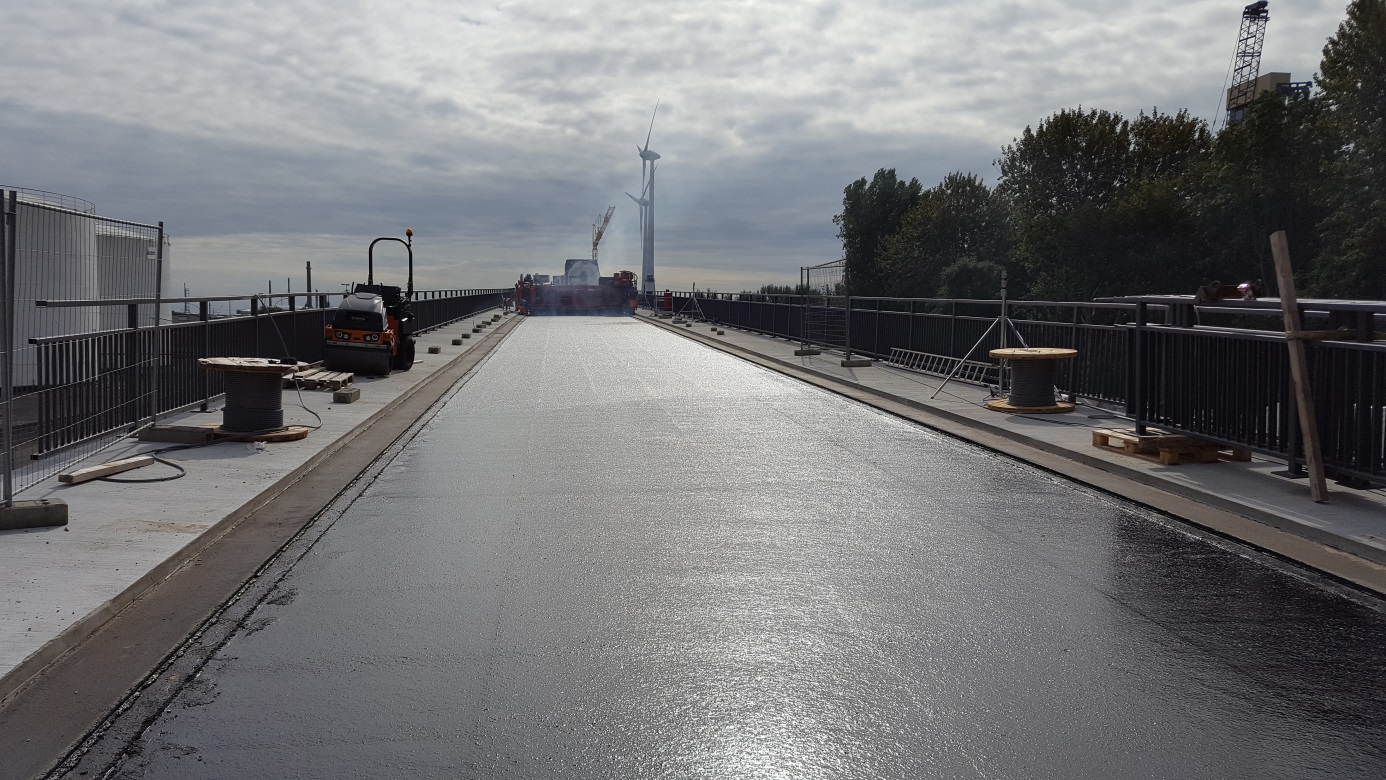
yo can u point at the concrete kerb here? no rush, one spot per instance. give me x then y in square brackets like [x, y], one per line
[1356, 563]
[80, 631]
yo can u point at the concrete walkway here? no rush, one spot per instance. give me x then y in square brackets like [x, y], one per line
[59, 585]
[1345, 537]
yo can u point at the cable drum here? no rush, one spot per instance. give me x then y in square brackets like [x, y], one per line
[254, 400]
[1032, 380]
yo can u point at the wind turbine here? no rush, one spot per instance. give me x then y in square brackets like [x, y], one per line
[646, 203]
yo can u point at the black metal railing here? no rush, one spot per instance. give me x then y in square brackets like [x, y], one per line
[1230, 385]
[93, 386]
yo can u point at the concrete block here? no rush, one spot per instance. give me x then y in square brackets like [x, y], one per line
[347, 395]
[458, 342]
[806, 352]
[856, 363]
[495, 318]
[476, 330]
[434, 350]
[43, 513]
[721, 332]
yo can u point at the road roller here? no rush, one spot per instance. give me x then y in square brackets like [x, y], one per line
[372, 331]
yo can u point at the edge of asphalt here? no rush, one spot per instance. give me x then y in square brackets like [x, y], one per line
[55, 697]
[1347, 560]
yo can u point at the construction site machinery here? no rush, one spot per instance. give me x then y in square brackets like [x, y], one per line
[372, 331]
[1247, 66]
[581, 290]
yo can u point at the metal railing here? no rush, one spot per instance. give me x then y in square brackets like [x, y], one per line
[93, 387]
[91, 349]
[1152, 363]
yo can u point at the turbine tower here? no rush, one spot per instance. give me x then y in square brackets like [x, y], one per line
[646, 203]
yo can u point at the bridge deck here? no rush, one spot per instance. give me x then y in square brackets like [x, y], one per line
[614, 552]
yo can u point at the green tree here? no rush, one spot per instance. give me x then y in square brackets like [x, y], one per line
[871, 212]
[1353, 83]
[970, 278]
[1265, 173]
[956, 219]
[1100, 205]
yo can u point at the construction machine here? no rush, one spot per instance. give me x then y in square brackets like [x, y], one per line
[372, 331]
[581, 290]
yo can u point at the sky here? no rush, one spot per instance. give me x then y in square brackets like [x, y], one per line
[269, 134]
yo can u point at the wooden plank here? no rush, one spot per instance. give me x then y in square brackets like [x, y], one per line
[105, 469]
[1299, 368]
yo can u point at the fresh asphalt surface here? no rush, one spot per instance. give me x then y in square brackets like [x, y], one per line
[616, 553]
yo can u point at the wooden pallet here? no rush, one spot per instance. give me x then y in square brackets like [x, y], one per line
[1170, 449]
[319, 379]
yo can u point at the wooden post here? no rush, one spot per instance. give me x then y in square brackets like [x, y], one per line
[1299, 367]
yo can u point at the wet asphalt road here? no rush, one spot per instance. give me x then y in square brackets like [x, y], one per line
[617, 554]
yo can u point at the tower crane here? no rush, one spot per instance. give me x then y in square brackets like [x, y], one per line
[598, 228]
[1250, 39]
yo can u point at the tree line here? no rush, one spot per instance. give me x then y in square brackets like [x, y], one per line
[1089, 203]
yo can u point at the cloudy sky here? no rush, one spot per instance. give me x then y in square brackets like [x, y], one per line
[269, 133]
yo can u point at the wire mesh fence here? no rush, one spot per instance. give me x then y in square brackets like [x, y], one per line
[824, 312]
[61, 396]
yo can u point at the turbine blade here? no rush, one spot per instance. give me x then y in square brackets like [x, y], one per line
[651, 132]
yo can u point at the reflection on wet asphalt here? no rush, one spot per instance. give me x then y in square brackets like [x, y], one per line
[616, 553]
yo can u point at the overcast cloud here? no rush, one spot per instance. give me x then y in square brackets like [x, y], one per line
[265, 134]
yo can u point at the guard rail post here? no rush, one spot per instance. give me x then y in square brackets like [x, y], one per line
[1138, 355]
[11, 204]
[847, 328]
[204, 315]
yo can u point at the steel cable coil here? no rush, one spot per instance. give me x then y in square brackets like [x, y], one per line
[254, 402]
[1032, 383]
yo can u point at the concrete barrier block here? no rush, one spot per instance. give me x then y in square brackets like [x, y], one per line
[347, 395]
[465, 336]
[434, 350]
[43, 513]
[458, 342]
[856, 363]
